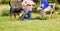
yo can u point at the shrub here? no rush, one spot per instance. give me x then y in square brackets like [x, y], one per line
[3, 1]
[5, 12]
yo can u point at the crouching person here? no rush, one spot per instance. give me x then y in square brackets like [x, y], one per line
[44, 7]
[27, 6]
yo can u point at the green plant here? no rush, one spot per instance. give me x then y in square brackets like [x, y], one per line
[5, 12]
[3, 1]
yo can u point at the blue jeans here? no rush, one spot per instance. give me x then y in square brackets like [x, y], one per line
[27, 14]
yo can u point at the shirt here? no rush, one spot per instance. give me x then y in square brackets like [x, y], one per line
[44, 4]
[28, 4]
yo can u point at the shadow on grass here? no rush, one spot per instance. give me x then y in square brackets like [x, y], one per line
[37, 18]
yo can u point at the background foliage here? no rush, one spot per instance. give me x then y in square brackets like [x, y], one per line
[6, 1]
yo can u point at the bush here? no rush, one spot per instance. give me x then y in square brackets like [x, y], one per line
[5, 12]
[3, 1]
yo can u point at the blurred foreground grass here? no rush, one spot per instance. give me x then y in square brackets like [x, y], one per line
[52, 24]
[29, 25]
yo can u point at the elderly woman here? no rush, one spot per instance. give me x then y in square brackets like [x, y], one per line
[27, 6]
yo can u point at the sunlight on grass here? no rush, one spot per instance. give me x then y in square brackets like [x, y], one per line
[29, 25]
[52, 24]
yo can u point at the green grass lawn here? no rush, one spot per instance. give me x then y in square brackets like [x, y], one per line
[30, 25]
[52, 24]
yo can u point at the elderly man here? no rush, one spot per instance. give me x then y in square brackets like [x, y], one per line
[27, 6]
